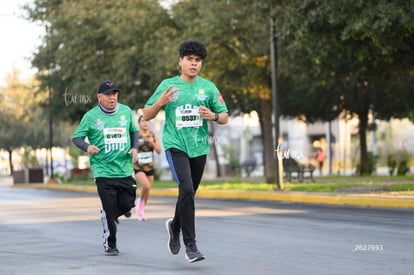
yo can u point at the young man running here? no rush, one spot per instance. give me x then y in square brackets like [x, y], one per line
[190, 101]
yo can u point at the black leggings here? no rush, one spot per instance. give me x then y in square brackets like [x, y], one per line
[187, 173]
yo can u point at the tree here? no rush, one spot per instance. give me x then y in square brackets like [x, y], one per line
[81, 48]
[336, 57]
[89, 41]
[356, 53]
[237, 36]
[22, 122]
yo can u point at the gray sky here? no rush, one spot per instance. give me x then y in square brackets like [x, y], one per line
[19, 39]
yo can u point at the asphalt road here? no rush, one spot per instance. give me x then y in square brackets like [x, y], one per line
[59, 232]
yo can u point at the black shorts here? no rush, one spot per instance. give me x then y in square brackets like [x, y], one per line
[147, 173]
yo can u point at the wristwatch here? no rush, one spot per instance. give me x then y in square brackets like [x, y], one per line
[217, 117]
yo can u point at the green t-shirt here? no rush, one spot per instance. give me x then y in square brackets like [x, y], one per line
[112, 135]
[184, 128]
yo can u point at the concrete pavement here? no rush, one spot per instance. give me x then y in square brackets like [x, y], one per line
[385, 199]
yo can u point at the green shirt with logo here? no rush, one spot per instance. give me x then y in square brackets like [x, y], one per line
[111, 133]
[184, 128]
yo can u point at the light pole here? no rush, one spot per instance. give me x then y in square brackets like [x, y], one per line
[51, 133]
[48, 33]
[273, 52]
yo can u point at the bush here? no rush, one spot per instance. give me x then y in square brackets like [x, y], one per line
[372, 163]
[392, 164]
[403, 168]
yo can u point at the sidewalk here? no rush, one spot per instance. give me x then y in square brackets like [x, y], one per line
[389, 199]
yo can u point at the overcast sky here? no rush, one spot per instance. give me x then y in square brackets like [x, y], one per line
[19, 38]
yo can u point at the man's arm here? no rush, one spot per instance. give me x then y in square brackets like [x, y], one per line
[134, 146]
[83, 145]
[150, 112]
[166, 97]
[222, 118]
[134, 140]
[80, 143]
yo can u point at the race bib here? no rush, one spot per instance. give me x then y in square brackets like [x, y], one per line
[115, 135]
[188, 117]
[115, 139]
[145, 157]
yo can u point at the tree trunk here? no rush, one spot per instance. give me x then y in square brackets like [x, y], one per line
[269, 163]
[10, 161]
[213, 139]
[363, 123]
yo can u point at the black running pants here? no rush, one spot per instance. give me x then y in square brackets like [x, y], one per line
[117, 197]
[187, 173]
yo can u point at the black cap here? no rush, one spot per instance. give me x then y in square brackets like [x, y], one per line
[107, 86]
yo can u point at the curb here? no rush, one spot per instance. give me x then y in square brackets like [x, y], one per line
[288, 196]
[315, 198]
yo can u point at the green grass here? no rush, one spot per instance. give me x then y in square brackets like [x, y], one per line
[401, 187]
[324, 187]
[237, 186]
[329, 184]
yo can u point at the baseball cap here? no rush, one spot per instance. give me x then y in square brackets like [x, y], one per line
[107, 86]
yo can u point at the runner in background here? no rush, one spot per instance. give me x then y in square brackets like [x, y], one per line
[144, 167]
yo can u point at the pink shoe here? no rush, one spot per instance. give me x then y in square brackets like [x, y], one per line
[140, 209]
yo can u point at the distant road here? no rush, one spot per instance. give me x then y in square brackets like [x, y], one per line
[59, 232]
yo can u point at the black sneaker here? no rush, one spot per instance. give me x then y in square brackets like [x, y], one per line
[173, 238]
[192, 254]
[111, 251]
[128, 214]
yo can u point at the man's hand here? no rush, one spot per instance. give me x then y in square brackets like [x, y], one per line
[167, 96]
[134, 154]
[206, 113]
[92, 149]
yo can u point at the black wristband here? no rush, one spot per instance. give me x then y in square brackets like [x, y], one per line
[217, 117]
